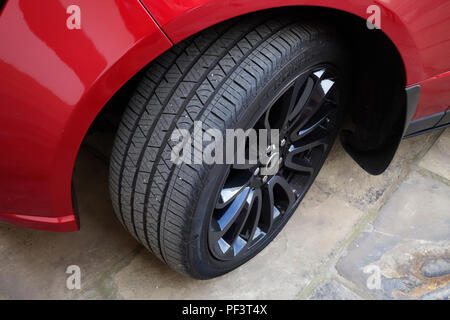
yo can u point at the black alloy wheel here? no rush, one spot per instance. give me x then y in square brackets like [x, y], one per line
[250, 205]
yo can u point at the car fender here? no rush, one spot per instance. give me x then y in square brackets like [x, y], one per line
[54, 82]
[180, 19]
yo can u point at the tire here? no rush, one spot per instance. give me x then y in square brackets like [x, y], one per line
[224, 77]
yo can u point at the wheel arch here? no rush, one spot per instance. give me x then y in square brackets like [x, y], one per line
[181, 28]
[371, 144]
[181, 20]
[109, 85]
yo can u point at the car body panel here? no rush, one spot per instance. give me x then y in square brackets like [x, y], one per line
[55, 80]
[435, 94]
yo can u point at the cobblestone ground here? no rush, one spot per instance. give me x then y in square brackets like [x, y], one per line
[355, 236]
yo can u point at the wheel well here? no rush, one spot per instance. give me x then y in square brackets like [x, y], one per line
[377, 106]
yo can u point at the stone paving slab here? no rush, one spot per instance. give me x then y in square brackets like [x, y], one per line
[344, 178]
[437, 159]
[412, 228]
[333, 290]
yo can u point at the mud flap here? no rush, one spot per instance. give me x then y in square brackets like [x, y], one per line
[375, 161]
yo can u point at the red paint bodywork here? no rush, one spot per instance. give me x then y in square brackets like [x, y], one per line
[54, 81]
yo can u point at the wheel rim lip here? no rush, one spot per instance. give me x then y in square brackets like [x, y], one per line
[287, 213]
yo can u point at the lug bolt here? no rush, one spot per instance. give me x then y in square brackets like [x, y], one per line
[264, 179]
[283, 142]
[256, 172]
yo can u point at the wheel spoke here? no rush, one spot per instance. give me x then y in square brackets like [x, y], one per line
[236, 227]
[267, 210]
[237, 182]
[321, 119]
[252, 223]
[321, 89]
[293, 165]
[323, 142]
[225, 218]
[278, 115]
[278, 197]
[243, 231]
[299, 100]
[294, 159]
[284, 194]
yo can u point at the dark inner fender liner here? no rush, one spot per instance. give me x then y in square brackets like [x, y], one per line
[376, 160]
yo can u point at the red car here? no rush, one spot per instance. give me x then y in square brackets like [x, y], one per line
[298, 66]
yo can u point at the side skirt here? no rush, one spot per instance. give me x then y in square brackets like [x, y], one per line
[434, 122]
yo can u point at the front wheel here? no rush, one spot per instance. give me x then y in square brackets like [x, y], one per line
[260, 72]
